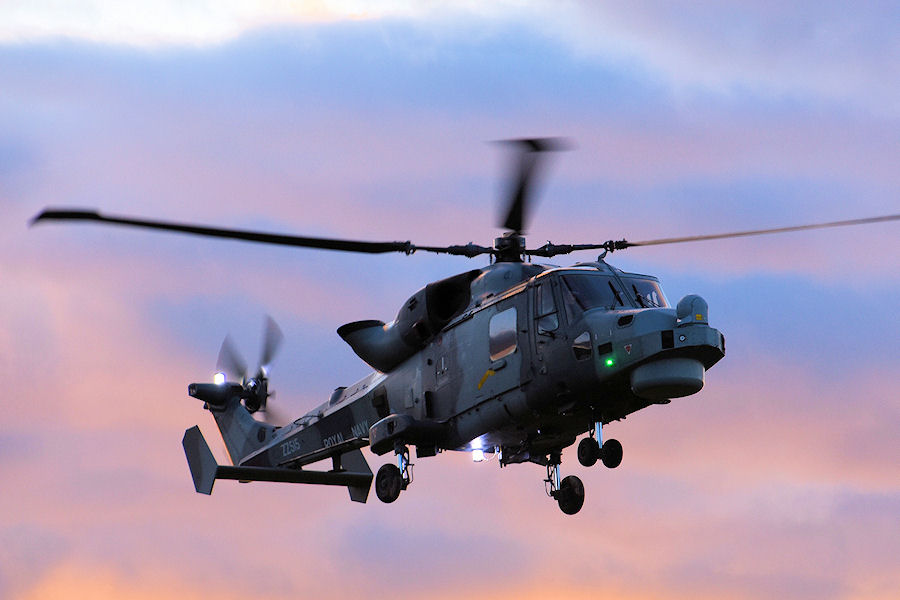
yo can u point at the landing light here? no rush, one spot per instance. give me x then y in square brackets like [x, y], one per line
[477, 455]
[219, 378]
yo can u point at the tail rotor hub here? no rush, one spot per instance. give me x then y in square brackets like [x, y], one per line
[254, 390]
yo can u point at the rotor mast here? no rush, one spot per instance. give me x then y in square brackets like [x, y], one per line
[509, 247]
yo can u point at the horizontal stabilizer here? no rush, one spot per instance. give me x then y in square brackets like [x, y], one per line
[284, 475]
[354, 474]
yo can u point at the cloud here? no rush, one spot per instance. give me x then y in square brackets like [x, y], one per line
[77, 580]
[825, 51]
[166, 133]
[169, 22]
[777, 479]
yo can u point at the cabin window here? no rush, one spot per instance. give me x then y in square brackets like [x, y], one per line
[503, 333]
[547, 316]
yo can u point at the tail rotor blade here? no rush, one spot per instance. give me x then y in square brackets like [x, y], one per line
[230, 360]
[272, 338]
[272, 415]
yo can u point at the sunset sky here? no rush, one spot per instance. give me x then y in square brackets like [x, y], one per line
[374, 121]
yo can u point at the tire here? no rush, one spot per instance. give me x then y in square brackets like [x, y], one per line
[588, 451]
[611, 454]
[388, 483]
[570, 495]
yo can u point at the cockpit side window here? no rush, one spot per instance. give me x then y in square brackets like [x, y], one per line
[572, 306]
[586, 291]
[647, 293]
[547, 315]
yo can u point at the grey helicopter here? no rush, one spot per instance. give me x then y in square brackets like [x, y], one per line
[513, 360]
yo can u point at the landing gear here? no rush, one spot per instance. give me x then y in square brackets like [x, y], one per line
[592, 448]
[611, 454]
[588, 451]
[393, 479]
[568, 492]
[388, 483]
[570, 495]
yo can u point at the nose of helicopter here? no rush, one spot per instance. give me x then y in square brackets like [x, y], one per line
[667, 378]
[678, 368]
[664, 352]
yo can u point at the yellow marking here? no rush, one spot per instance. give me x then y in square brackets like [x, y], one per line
[699, 317]
[487, 374]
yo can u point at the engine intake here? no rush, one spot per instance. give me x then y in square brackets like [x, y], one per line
[423, 316]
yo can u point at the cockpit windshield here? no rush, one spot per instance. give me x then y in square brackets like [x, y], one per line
[584, 291]
[646, 292]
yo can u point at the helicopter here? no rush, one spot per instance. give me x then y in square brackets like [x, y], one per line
[513, 360]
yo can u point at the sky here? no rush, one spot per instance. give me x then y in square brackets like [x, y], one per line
[375, 121]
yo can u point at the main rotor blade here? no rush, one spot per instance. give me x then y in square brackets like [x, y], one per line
[468, 250]
[751, 232]
[520, 189]
[550, 249]
[234, 234]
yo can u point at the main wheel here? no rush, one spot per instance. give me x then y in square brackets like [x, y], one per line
[570, 495]
[611, 454]
[588, 451]
[388, 483]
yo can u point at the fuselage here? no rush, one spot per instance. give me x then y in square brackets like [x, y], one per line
[536, 356]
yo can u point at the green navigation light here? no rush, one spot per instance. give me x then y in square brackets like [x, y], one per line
[610, 362]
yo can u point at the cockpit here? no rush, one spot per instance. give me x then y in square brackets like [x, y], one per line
[585, 291]
[646, 293]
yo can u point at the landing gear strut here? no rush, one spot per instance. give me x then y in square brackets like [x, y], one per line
[568, 492]
[592, 448]
[393, 479]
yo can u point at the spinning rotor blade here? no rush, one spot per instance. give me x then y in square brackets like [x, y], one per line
[272, 338]
[469, 250]
[272, 415]
[549, 249]
[230, 360]
[719, 236]
[234, 234]
[520, 190]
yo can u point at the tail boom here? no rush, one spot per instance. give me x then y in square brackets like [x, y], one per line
[205, 470]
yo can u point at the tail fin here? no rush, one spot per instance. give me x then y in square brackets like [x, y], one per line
[241, 432]
[355, 462]
[200, 460]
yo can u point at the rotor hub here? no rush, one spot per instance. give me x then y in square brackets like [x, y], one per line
[510, 247]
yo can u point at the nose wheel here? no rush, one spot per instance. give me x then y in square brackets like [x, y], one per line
[611, 454]
[593, 448]
[393, 479]
[588, 452]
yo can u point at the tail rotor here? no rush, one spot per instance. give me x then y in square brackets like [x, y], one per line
[255, 388]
